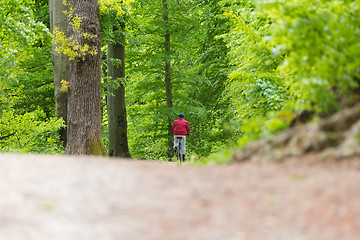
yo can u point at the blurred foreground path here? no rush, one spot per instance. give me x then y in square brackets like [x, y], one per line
[91, 198]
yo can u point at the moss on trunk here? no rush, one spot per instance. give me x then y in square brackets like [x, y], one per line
[97, 147]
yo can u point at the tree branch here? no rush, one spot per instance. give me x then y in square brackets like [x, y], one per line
[201, 21]
[12, 134]
[43, 84]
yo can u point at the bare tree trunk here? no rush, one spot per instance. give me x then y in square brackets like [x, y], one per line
[117, 122]
[84, 112]
[60, 63]
[169, 96]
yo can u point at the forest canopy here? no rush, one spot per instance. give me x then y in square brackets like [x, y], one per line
[238, 70]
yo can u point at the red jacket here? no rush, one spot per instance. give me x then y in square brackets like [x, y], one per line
[181, 127]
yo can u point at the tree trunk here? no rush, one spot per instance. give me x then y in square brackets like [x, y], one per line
[169, 96]
[60, 63]
[84, 113]
[117, 122]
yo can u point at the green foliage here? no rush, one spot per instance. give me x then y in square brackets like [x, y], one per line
[26, 96]
[240, 69]
[18, 24]
[198, 75]
[18, 32]
[118, 6]
[319, 43]
[34, 80]
[289, 56]
[258, 93]
[28, 132]
[221, 157]
[255, 87]
[73, 46]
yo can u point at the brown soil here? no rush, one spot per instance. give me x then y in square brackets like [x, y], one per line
[89, 198]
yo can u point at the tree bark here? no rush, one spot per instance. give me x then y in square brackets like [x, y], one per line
[117, 122]
[168, 86]
[84, 112]
[60, 63]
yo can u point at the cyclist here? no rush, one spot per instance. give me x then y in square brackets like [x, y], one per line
[181, 128]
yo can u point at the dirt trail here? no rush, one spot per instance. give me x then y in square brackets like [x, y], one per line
[69, 198]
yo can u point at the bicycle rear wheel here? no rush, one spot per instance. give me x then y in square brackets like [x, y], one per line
[178, 153]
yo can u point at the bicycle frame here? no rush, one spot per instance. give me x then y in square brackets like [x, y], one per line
[178, 150]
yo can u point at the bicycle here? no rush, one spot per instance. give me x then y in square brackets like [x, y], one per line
[178, 150]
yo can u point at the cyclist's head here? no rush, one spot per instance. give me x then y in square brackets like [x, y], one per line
[181, 115]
